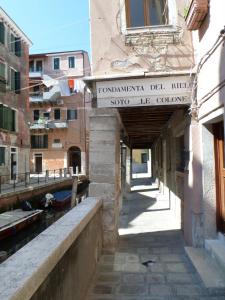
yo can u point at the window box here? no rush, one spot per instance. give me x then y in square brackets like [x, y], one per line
[196, 14]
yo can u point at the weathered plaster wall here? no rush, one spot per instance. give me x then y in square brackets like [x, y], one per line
[213, 71]
[117, 50]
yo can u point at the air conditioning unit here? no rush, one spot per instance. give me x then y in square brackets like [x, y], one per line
[60, 102]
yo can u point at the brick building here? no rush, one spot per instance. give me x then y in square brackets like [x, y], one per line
[14, 97]
[58, 108]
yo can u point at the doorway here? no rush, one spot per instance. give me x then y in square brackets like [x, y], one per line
[74, 159]
[13, 164]
[220, 175]
[38, 163]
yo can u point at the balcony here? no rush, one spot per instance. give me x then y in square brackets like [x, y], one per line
[49, 124]
[196, 14]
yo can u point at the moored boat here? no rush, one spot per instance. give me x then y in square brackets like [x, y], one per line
[13, 221]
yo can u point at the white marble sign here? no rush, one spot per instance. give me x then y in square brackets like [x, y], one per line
[144, 92]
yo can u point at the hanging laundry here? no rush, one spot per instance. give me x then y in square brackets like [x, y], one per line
[64, 87]
[71, 85]
[49, 81]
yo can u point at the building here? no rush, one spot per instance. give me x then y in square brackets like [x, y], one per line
[141, 83]
[14, 97]
[205, 21]
[58, 107]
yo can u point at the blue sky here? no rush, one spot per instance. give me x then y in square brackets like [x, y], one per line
[52, 25]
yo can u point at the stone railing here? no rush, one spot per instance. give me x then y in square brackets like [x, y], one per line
[59, 263]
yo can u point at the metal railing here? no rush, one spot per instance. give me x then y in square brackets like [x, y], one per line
[23, 180]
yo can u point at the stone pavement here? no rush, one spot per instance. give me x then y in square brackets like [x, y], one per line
[148, 234]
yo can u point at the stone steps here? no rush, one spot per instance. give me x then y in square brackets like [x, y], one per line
[212, 275]
[217, 250]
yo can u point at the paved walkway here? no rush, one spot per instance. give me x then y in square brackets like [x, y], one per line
[148, 234]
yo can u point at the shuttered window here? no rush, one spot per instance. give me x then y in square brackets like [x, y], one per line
[2, 78]
[15, 82]
[12, 42]
[2, 156]
[7, 118]
[2, 33]
[18, 47]
[39, 141]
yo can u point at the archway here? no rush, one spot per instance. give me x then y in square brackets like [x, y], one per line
[74, 158]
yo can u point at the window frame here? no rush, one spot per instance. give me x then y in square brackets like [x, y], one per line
[2, 164]
[53, 63]
[4, 38]
[68, 59]
[69, 119]
[146, 15]
[59, 110]
[38, 144]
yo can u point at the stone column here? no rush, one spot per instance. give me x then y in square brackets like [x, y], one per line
[104, 169]
[193, 214]
[83, 163]
[128, 169]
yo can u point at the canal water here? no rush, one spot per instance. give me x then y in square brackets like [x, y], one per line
[14, 243]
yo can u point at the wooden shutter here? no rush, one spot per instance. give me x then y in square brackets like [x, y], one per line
[2, 33]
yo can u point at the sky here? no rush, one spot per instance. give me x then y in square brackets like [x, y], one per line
[52, 25]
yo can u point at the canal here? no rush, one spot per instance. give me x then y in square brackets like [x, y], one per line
[12, 244]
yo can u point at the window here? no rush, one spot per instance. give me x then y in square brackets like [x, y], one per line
[2, 156]
[71, 61]
[7, 118]
[36, 114]
[57, 114]
[56, 63]
[15, 81]
[39, 65]
[71, 114]
[39, 141]
[2, 77]
[12, 42]
[17, 47]
[144, 158]
[56, 141]
[2, 33]
[46, 115]
[31, 66]
[142, 13]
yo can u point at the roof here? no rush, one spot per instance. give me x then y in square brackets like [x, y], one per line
[37, 55]
[5, 17]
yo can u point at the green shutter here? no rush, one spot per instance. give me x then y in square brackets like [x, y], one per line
[17, 82]
[46, 141]
[12, 43]
[2, 156]
[2, 33]
[18, 46]
[1, 116]
[12, 77]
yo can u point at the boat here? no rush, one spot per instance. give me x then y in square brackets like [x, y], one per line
[62, 198]
[15, 220]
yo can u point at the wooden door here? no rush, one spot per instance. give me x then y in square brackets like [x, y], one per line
[38, 163]
[220, 175]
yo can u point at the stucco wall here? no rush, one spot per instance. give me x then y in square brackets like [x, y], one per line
[116, 50]
[213, 71]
